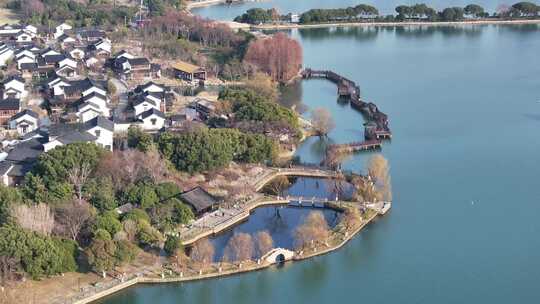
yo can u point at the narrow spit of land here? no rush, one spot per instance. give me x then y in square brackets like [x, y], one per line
[340, 235]
[392, 24]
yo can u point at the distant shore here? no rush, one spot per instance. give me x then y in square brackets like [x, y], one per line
[392, 24]
[204, 3]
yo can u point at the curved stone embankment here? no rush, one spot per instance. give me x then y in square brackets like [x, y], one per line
[219, 272]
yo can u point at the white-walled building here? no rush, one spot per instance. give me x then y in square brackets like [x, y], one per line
[24, 122]
[6, 54]
[152, 120]
[14, 87]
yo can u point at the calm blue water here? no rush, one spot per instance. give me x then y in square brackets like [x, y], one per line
[463, 107]
[280, 222]
[229, 11]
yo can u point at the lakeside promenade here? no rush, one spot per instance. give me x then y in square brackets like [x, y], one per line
[224, 218]
[392, 24]
[339, 237]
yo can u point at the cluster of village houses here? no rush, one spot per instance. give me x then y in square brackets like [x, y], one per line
[65, 71]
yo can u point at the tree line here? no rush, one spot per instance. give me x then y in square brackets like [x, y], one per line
[364, 12]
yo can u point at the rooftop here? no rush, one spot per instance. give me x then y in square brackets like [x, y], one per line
[199, 199]
[186, 67]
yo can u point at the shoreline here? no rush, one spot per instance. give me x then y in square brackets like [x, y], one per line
[237, 270]
[392, 24]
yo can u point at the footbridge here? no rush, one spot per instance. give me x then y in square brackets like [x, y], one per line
[278, 255]
[293, 171]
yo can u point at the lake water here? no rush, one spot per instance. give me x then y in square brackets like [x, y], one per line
[280, 222]
[464, 109]
[230, 11]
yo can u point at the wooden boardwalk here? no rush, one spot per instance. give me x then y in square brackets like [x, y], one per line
[376, 126]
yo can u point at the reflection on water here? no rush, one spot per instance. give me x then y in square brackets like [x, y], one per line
[280, 222]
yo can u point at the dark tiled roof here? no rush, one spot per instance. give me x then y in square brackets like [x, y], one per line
[199, 199]
[30, 66]
[139, 61]
[25, 112]
[54, 58]
[138, 99]
[26, 151]
[100, 121]
[142, 87]
[152, 111]
[94, 94]
[76, 136]
[14, 77]
[10, 104]
[92, 34]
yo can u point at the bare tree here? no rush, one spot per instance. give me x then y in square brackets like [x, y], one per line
[278, 185]
[278, 56]
[180, 259]
[351, 218]
[203, 252]
[337, 185]
[322, 121]
[8, 266]
[130, 166]
[378, 170]
[78, 175]
[130, 227]
[314, 229]
[364, 190]
[73, 217]
[239, 248]
[37, 217]
[263, 242]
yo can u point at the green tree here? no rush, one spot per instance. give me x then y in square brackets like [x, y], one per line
[136, 214]
[148, 235]
[140, 140]
[208, 149]
[142, 195]
[54, 167]
[527, 9]
[8, 197]
[34, 188]
[101, 194]
[36, 254]
[404, 12]
[109, 223]
[182, 212]
[167, 190]
[125, 252]
[101, 255]
[172, 244]
[474, 10]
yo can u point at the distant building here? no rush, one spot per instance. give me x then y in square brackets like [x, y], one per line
[295, 18]
[188, 71]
